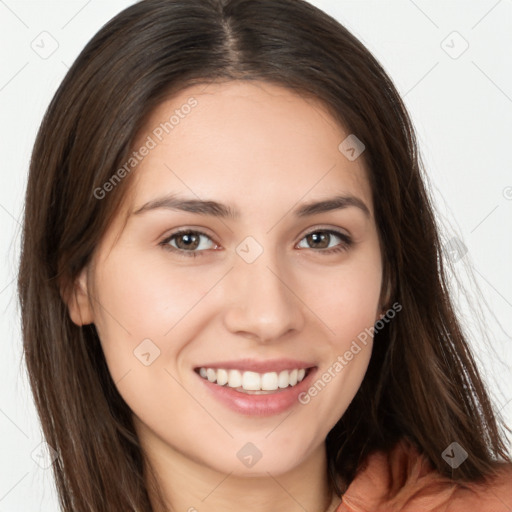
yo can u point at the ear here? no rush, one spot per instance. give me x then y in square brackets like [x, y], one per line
[77, 299]
[385, 300]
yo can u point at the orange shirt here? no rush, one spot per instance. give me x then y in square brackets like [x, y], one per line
[404, 481]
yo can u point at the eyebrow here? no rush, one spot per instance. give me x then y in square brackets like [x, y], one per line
[215, 209]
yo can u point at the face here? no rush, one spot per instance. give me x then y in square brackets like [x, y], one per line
[250, 255]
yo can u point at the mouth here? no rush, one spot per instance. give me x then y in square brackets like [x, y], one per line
[254, 383]
[257, 393]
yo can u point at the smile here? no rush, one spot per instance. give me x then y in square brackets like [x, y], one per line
[254, 382]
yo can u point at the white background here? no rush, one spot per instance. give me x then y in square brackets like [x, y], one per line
[462, 111]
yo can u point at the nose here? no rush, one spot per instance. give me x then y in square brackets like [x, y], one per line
[264, 301]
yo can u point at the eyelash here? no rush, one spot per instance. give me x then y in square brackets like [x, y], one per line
[345, 245]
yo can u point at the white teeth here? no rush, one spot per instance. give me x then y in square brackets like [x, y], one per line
[253, 381]
[284, 379]
[222, 377]
[269, 381]
[235, 379]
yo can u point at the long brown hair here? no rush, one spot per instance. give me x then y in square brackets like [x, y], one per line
[422, 382]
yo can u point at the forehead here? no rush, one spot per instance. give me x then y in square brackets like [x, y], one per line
[245, 143]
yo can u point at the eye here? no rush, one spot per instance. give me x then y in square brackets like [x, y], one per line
[321, 239]
[188, 242]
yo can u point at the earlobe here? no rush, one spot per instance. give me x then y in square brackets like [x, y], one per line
[78, 303]
[385, 297]
[384, 302]
[381, 315]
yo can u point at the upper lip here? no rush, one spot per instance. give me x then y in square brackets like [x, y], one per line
[251, 365]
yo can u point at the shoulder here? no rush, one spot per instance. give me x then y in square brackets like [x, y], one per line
[404, 481]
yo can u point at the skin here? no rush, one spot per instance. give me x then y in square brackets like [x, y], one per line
[264, 150]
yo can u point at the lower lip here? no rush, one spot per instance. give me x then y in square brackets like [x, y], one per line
[260, 405]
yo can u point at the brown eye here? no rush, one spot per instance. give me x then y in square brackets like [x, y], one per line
[318, 240]
[188, 242]
[322, 240]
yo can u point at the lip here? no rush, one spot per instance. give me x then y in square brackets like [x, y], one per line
[252, 365]
[259, 405]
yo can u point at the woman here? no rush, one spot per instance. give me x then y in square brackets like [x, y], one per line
[232, 288]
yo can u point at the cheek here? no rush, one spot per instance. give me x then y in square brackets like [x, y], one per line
[346, 349]
[348, 310]
[142, 308]
[145, 297]
[346, 299]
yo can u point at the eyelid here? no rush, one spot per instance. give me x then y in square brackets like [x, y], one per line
[334, 229]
